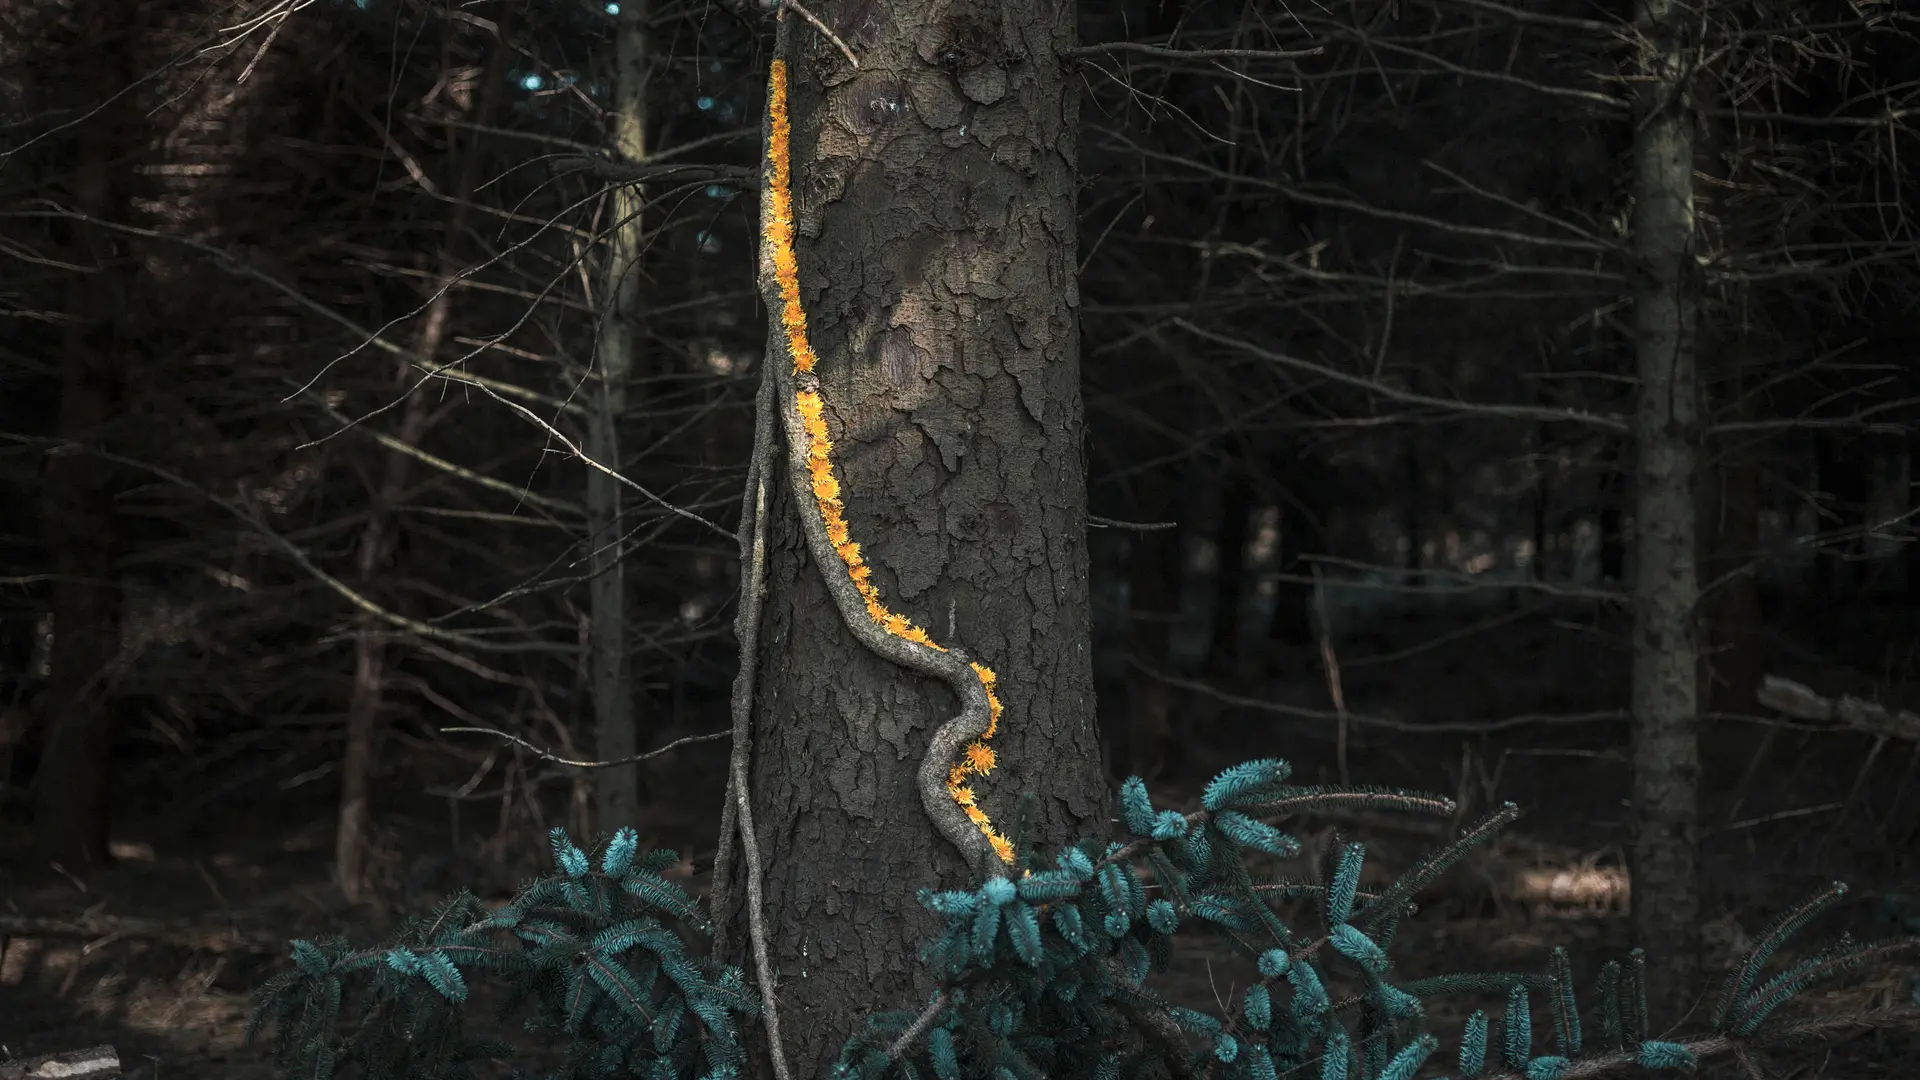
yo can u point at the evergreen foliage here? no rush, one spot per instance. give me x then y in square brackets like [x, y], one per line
[595, 947]
[1038, 975]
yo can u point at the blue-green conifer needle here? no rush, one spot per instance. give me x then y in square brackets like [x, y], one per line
[1546, 1068]
[1274, 963]
[1162, 917]
[1335, 1053]
[1518, 1028]
[1023, 930]
[1246, 831]
[1411, 1056]
[986, 928]
[1244, 783]
[1654, 1054]
[619, 854]
[1473, 1045]
[1260, 1063]
[1358, 947]
[1257, 1008]
[1136, 809]
[1345, 884]
[1169, 825]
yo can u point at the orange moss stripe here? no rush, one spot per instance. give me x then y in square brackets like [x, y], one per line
[779, 225]
[977, 759]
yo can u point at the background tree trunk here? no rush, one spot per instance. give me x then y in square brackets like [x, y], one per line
[74, 782]
[1665, 691]
[616, 790]
[935, 207]
[352, 839]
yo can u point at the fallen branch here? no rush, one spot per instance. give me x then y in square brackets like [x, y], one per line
[1800, 702]
[99, 929]
[93, 1063]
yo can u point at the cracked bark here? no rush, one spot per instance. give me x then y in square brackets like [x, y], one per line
[1665, 681]
[935, 210]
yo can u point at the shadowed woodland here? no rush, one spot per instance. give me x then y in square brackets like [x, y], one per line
[1514, 401]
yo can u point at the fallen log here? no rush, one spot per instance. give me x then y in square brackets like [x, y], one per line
[93, 1063]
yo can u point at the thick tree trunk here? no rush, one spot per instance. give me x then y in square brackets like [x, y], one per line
[934, 193]
[1666, 691]
[616, 790]
[74, 782]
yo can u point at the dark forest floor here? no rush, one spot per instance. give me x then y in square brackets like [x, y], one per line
[198, 909]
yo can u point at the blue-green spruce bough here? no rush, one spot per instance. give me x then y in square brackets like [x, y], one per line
[1041, 974]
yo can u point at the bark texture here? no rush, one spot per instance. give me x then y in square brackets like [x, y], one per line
[935, 208]
[1666, 686]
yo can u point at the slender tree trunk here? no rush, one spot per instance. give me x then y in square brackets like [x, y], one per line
[74, 782]
[616, 790]
[935, 209]
[1665, 691]
[360, 760]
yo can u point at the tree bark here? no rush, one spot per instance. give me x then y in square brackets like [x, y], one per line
[1665, 681]
[73, 784]
[934, 193]
[616, 790]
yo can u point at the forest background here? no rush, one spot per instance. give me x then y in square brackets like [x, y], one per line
[318, 315]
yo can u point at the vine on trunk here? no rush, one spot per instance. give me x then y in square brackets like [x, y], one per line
[818, 491]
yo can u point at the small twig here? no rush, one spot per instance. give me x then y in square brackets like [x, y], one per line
[1801, 702]
[548, 755]
[1095, 521]
[814, 21]
[1162, 52]
[749, 844]
[746, 632]
[753, 573]
[903, 1045]
[1330, 665]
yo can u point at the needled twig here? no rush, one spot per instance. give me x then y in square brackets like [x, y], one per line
[737, 814]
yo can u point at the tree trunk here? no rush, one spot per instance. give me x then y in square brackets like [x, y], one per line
[934, 199]
[74, 782]
[360, 760]
[616, 790]
[1665, 691]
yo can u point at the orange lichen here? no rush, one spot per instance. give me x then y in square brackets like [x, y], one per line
[978, 758]
[779, 224]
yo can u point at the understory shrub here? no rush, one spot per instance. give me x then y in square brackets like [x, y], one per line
[1040, 972]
